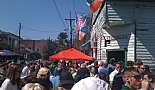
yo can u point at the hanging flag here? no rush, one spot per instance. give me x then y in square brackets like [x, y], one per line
[85, 27]
[80, 22]
[81, 35]
[94, 4]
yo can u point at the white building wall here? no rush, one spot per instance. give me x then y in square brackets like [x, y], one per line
[120, 31]
[130, 53]
[125, 17]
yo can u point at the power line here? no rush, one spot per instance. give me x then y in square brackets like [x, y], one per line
[74, 7]
[58, 11]
[38, 30]
[32, 29]
[15, 31]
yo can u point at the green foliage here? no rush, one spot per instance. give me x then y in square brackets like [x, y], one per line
[34, 56]
[62, 36]
[48, 53]
[55, 46]
[62, 41]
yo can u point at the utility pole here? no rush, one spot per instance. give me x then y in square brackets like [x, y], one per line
[71, 30]
[19, 32]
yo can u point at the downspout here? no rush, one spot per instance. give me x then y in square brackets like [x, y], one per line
[135, 41]
[135, 32]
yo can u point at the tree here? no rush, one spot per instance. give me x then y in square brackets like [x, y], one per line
[34, 56]
[52, 48]
[63, 41]
[57, 45]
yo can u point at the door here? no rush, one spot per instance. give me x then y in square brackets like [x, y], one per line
[117, 54]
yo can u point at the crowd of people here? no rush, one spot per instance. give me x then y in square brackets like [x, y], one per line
[69, 75]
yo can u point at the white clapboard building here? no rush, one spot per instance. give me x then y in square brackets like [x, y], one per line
[125, 30]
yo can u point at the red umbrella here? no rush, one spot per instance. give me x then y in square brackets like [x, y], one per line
[71, 54]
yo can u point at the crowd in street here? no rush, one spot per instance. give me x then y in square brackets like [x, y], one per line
[69, 75]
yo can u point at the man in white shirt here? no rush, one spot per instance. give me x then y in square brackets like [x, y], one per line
[25, 71]
[116, 71]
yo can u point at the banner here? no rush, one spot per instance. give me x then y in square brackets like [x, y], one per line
[83, 26]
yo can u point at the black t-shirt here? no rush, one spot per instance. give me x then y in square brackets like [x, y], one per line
[118, 81]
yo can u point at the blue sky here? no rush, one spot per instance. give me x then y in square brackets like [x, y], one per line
[39, 18]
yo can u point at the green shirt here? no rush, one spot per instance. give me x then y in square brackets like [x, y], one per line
[125, 87]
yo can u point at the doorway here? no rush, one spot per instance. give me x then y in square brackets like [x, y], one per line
[118, 54]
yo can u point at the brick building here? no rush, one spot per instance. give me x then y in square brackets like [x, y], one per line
[30, 46]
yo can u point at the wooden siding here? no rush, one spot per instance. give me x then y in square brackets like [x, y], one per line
[120, 16]
[124, 18]
[145, 37]
[120, 21]
[146, 44]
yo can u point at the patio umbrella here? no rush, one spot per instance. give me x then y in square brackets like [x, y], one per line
[7, 53]
[71, 54]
